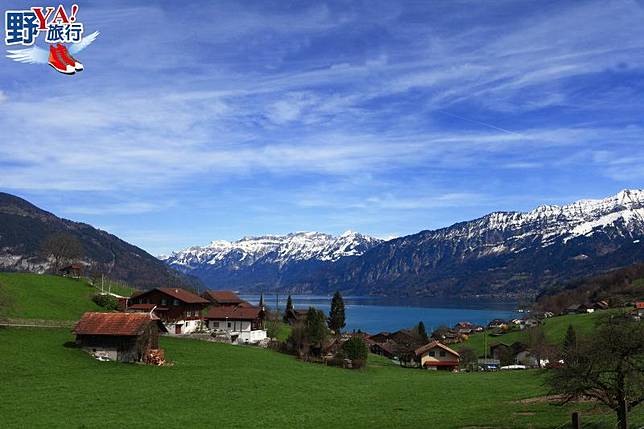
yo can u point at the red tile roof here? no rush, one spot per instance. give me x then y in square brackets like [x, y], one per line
[639, 304]
[233, 313]
[122, 324]
[222, 296]
[422, 349]
[177, 293]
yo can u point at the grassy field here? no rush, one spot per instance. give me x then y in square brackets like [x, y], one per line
[33, 296]
[554, 330]
[47, 383]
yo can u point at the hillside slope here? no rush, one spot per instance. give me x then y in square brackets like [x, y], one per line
[34, 296]
[24, 227]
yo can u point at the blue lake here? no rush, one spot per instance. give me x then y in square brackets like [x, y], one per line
[374, 314]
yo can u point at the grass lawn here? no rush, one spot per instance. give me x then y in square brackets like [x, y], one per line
[34, 296]
[554, 329]
[46, 384]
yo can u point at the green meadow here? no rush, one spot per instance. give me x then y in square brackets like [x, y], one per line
[554, 330]
[48, 382]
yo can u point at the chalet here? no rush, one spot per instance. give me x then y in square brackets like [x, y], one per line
[380, 337]
[497, 324]
[223, 298]
[179, 309]
[293, 316]
[240, 323]
[381, 346]
[601, 305]
[508, 354]
[437, 356]
[124, 337]
[579, 309]
[73, 270]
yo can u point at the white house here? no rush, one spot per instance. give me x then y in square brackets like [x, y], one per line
[243, 324]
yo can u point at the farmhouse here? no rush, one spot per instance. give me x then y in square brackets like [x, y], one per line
[73, 270]
[437, 356]
[292, 316]
[179, 309]
[124, 337]
[241, 323]
[223, 298]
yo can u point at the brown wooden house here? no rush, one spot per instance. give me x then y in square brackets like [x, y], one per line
[223, 298]
[74, 271]
[124, 337]
[179, 309]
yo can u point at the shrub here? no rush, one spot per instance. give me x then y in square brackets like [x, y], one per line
[108, 302]
[355, 349]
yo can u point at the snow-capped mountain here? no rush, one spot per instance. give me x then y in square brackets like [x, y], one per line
[507, 252]
[276, 254]
[500, 253]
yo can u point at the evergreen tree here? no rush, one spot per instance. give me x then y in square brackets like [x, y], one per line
[336, 315]
[422, 332]
[357, 350]
[570, 344]
[289, 309]
[314, 327]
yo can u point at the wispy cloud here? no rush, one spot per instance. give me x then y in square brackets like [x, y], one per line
[388, 112]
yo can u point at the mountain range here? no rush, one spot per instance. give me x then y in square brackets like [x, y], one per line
[502, 253]
[269, 262]
[24, 227]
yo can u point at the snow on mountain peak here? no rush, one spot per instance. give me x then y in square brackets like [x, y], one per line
[280, 249]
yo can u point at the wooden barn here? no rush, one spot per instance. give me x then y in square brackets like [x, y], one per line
[74, 271]
[124, 337]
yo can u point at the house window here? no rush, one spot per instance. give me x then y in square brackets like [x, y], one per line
[432, 353]
[442, 353]
[229, 324]
[176, 302]
[164, 301]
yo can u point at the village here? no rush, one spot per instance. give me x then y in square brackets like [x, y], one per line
[131, 332]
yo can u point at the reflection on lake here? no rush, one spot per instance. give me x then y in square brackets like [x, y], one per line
[375, 314]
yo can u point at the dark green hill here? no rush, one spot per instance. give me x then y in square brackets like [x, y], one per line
[24, 227]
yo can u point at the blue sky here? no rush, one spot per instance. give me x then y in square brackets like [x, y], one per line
[223, 119]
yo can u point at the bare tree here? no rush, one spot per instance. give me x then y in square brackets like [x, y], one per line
[537, 344]
[62, 249]
[608, 367]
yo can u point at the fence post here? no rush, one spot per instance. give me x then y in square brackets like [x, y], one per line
[576, 420]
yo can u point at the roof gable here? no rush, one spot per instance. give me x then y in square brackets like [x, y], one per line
[222, 296]
[233, 313]
[427, 347]
[176, 293]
